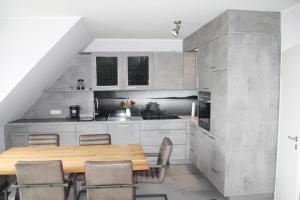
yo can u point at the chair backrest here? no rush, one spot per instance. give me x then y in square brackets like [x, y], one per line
[164, 156]
[94, 139]
[40, 173]
[37, 140]
[109, 173]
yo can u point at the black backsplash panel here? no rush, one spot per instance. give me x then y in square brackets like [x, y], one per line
[172, 101]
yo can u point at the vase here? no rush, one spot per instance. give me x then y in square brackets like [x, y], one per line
[127, 112]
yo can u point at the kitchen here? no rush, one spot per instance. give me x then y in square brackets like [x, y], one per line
[215, 95]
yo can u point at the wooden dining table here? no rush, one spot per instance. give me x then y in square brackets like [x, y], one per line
[73, 158]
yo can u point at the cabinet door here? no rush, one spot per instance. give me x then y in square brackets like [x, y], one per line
[189, 70]
[168, 70]
[19, 140]
[203, 66]
[219, 53]
[138, 70]
[106, 71]
[218, 119]
[124, 133]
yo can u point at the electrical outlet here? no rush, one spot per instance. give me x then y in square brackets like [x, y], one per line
[55, 112]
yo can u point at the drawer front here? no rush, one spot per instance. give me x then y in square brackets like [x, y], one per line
[67, 139]
[178, 151]
[193, 156]
[217, 179]
[18, 128]
[50, 128]
[19, 140]
[156, 137]
[91, 128]
[217, 153]
[163, 125]
[124, 133]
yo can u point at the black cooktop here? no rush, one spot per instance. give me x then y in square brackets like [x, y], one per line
[160, 117]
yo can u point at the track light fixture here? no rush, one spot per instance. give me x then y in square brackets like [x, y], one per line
[175, 31]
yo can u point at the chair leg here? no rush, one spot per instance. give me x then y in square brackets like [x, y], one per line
[74, 177]
[152, 195]
[5, 194]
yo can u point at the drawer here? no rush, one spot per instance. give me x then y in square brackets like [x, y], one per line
[163, 125]
[50, 128]
[124, 133]
[156, 137]
[217, 154]
[19, 128]
[91, 128]
[193, 156]
[178, 151]
[217, 179]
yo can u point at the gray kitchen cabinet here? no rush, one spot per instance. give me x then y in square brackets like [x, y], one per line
[203, 68]
[218, 112]
[138, 71]
[189, 70]
[90, 128]
[19, 139]
[65, 131]
[153, 132]
[168, 70]
[16, 135]
[219, 53]
[124, 133]
[106, 71]
[238, 155]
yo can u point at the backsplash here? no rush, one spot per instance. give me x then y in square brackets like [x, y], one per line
[172, 101]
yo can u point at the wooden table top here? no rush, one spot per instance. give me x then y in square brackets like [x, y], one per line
[73, 158]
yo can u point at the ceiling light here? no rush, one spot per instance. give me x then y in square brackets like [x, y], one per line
[175, 31]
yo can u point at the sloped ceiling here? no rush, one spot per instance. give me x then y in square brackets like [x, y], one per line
[35, 52]
[138, 18]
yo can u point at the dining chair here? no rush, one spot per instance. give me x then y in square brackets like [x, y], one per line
[41, 180]
[38, 140]
[109, 180]
[3, 187]
[94, 139]
[156, 173]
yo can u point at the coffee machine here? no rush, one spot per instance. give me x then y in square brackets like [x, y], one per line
[75, 112]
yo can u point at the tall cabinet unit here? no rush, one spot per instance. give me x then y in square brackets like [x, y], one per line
[244, 72]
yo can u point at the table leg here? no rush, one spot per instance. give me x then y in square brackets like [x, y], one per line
[74, 177]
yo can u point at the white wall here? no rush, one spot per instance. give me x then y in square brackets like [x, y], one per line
[35, 52]
[290, 27]
[134, 45]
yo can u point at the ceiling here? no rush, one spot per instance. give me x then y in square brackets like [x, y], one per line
[137, 18]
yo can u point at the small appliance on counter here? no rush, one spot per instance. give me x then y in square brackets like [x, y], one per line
[80, 84]
[75, 112]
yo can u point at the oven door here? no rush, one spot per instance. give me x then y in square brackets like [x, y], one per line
[204, 113]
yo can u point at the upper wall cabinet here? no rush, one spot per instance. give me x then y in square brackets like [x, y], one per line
[107, 71]
[168, 70]
[137, 71]
[203, 66]
[189, 71]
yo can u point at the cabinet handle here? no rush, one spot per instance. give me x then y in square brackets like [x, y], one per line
[215, 171]
[123, 125]
[192, 133]
[212, 137]
[213, 67]
[205, 88]
[192, 150]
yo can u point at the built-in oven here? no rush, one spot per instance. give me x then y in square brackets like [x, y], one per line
[204, 110]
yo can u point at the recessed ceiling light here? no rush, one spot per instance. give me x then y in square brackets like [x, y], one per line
[175, 31]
